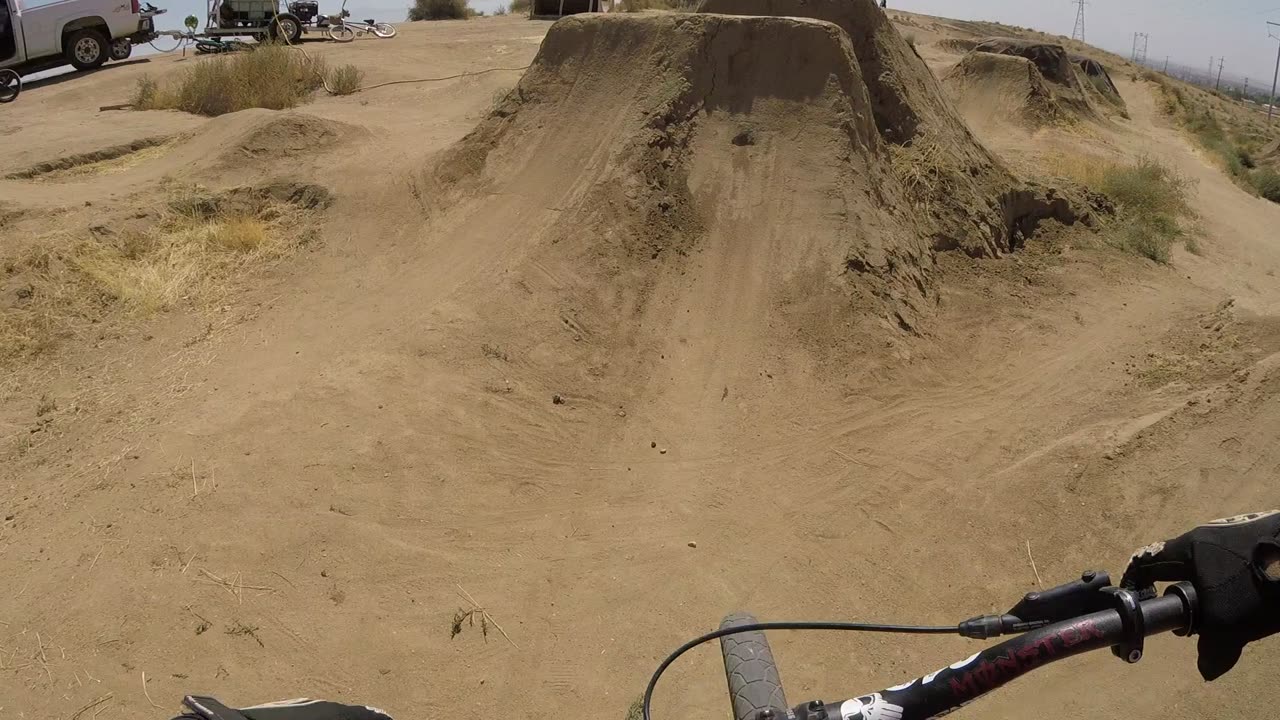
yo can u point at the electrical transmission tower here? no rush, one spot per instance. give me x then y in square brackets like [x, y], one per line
[1078, 32]
[1271, 103]
[1139, 54]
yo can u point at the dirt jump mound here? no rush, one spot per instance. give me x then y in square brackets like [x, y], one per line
[1097, 84]
[673, 139]
[994, 87]
[1078, 88]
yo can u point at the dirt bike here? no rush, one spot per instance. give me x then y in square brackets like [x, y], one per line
[1081, 616]
[10, 86]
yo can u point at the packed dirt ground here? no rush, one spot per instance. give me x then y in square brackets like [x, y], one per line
[613, 354]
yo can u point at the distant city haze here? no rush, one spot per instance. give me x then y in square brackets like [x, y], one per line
[1187, 31]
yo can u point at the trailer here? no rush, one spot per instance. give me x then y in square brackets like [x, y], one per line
[259, 19]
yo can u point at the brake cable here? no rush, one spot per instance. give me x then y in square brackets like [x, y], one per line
[793, 625]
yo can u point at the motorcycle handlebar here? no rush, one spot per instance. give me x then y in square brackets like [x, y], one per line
[965, 681]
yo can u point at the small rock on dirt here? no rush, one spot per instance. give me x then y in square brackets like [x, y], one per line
[693, 544]
[557, 400]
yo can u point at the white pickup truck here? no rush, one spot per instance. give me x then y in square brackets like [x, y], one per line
[83, 33]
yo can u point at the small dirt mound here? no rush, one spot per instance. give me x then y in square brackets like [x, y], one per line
[259, 138]
[988, 86]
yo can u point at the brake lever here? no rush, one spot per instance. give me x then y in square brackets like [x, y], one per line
[1044, 607]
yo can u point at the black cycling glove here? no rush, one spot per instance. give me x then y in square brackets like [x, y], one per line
[1233, 565]
[207, 708]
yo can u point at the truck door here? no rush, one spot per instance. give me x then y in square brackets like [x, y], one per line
[40, 22]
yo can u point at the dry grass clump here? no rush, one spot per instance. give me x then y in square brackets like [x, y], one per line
[1150, 199]
[921, 167]
[345, 79]
[193, 255]
[271, 76]
[439, 10]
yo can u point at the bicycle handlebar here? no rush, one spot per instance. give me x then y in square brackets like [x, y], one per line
[961, 683]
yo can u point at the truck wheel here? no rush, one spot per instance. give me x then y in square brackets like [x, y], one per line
[10, 86]
[87, 49]
[286, 27]
[121, 49]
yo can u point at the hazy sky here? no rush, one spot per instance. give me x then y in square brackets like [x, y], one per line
[1187, 30]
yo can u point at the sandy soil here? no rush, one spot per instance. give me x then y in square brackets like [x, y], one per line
[289, 500]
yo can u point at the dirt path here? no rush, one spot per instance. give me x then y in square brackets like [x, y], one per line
[379, 430]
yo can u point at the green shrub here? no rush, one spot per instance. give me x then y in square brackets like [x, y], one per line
[271, 76]
[500, 10]
[1267, 182]
[520, 6]
[1148, 186]
[345, 79]
[1150, 199]
[439, 10]
[1139, 239]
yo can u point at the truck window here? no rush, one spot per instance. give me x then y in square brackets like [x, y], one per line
[8, 43]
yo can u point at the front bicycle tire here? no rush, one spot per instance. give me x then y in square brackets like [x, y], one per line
[754, 683]
[384, 30]
[340, 33]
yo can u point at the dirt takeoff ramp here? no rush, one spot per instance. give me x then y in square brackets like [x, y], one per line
[959, 193]
[750, 143]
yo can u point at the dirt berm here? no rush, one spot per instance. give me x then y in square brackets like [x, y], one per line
[658, 138]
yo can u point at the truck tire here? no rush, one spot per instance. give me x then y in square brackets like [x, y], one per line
[753, 678]
[87, 49]
[286, 28]
[121, 49]
[10, 86]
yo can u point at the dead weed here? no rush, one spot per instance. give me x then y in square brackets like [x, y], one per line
[193, 255]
